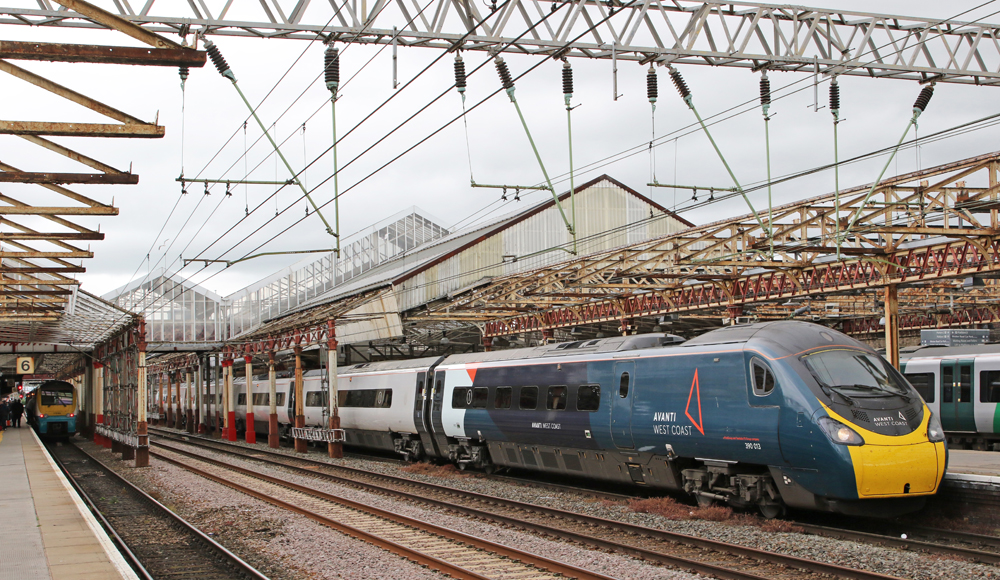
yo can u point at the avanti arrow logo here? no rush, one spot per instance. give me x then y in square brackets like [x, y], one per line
[695, 393]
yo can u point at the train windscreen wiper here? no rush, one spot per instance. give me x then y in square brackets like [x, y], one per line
[829, 390]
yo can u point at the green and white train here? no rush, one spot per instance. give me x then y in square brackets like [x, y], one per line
[961, 385]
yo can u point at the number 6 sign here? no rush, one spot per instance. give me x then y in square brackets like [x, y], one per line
[25, 365]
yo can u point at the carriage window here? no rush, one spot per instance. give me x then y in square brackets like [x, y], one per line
[241, 399]
[529, 398]
[556, 400]
[316, 399]
[479, 397]
[420, 388]
[461, 397]
[989, 387]
[279, 399]
[437, 388]
[54, 397]
[364, 398]
[261, 399]
[588, 397]
[924, 384]
[763, 379]
[947, 382]
[623, 386]
[501, 400]
[965, 383]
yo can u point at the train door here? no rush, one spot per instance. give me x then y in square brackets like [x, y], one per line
[422, 412]
[622, 394]
[291, 402]
[957, 406]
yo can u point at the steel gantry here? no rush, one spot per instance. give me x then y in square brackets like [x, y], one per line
[924, 226]
[734, 34]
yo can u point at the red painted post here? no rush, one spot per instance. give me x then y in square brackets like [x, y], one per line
[251, 434]
[272, 418]
[189, 422]
[98, 402]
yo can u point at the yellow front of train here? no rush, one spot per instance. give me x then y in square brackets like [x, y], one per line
[903, 465]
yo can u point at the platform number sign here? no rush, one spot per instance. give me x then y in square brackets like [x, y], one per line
[25, 365]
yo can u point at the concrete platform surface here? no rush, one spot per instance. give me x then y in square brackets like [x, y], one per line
[978, 466]
[46, 531]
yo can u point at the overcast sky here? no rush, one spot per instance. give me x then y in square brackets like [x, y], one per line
[435, 176]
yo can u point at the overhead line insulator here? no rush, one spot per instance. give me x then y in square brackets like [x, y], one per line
[504, 72]
[652, 89]
[217, 59]
[834, 97]
[765, 90]
[460, 79]
[920, 105]
[682, 88]
[331, 67]
[567, 79]
[184, 72]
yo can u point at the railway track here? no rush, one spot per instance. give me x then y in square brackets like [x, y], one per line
[454, 553]
[699, 555]
[158, 543]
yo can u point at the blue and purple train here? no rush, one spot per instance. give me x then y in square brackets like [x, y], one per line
[770, 415]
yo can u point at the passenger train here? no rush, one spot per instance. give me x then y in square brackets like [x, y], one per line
[769, 415]
[961, 385]
[51, 410]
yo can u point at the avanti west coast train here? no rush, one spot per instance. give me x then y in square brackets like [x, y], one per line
[768, 415]
[51, 409]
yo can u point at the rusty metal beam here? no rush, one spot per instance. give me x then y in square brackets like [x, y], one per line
[57, 178]
[38, 254]
[118, 23]
[69, 153]
[35, 292]
[43, 270]
[81, 129]
[102, 54]
[32, 210]
[5, 236]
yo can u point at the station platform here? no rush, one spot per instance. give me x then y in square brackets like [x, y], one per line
[974, 466]
[46, 530]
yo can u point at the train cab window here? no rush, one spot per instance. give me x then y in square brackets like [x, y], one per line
[461, 398]
[924, 384]
[479, 397]
[316, 399]
[529, 398]
[588, 397]
[623, 386]
[556, 400]
[56, 397]
[241, 399]
[965, 383]
[763, 378]
[501, 400]
[947, 384]
[989, 387]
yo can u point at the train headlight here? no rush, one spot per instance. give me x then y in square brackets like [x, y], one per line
[935, 433]
[839, 433]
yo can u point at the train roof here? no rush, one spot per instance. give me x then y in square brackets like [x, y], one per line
[578, 347]
[391, 365]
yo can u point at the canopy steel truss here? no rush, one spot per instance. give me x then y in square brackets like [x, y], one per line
[37, 287]
[734, 34]
[924, 226]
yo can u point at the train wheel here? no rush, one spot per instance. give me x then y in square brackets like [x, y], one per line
[771, 510]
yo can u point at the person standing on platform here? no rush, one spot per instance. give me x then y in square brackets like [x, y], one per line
[16, 410]
[4, 413]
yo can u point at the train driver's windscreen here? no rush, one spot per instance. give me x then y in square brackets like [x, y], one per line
[55, 396]
[856, 372]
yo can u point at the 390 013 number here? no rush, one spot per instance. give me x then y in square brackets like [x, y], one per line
[755, 446]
